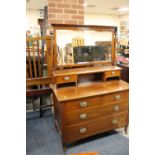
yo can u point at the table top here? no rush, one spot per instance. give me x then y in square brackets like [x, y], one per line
[89, 89]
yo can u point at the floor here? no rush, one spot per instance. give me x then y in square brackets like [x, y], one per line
[43, 139]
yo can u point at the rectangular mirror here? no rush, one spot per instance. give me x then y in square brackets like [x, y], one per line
[83, 46]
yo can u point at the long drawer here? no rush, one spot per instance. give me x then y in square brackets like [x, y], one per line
[95, 101]
[76, 132]
[85, 115]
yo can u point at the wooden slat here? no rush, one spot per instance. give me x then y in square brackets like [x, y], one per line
[38, 81]
[39, 66]
[49, 57]
[34, 60]
[29, 60]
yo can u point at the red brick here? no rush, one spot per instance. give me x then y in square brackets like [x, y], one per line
[70, 21]
[74, 1]
[51, 5]
[63, 16]
[63, 5]
[69, 11]
[55, 21]
[80, 22]
[51, 15]
[77, 17]
[80, 12]
[55, 11]
[81, 1]
[55, 1]
[77, 6]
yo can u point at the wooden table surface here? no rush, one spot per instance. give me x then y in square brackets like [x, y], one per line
[89, 89]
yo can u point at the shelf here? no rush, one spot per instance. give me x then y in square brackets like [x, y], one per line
[84, 70]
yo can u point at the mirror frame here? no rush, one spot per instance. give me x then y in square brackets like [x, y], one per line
[56, 27]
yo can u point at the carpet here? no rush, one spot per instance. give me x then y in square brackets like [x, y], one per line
[43, 139]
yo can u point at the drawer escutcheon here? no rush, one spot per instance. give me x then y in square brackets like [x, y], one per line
[66, 78]
[83, 130]
[113, 73]
[114, 121]
[116, 108]
[117, 97]
[83, 116]
[83, 104]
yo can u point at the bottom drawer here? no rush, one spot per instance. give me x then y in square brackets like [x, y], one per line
[76, 132]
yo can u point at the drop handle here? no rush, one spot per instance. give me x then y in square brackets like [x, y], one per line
[117, 97]
[83, 116]
[66, 78]
[116, 108]
[83, 130]
[114, 121]
[83, 104]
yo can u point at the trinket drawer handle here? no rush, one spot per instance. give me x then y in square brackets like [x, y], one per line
[113, 72]
[83, 116]
[83, 104]
[116, 108]
[66, 78]
[83, 130]
[114, 121]
[117, 97]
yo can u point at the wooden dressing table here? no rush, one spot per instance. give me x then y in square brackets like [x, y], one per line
[89, 98]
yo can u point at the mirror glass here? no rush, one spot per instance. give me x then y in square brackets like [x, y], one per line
[85, 46]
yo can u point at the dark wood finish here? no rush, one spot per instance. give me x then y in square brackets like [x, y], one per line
[124, 72]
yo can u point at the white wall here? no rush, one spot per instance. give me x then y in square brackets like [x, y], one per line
[102, 19]
[124, 18]
[32, 22]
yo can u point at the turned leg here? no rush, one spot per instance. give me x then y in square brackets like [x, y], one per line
[126, 129]
[64, 147]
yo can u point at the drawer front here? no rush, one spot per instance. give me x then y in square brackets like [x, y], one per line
[82, 103]
[85, 115]
[115, 97]
[66, 79]
[112, 73]
[77, 132]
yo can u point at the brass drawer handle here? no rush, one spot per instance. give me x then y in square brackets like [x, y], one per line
[66, 78]
[117, 97]
[83, 116]
[83, 104]
[83, 130]
[114, 121]
[116, 108]
[113, 73]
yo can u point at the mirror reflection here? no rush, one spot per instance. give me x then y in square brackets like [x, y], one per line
[75, 47]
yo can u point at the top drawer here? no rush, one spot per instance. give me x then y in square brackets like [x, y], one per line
[66, 79]
[82, 103]
[115, 97]
[113, 73]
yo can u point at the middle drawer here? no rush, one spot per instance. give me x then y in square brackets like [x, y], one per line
[84, 115]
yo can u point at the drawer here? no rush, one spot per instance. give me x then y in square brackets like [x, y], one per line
[85, 115]
[115, 97]
[82, 103]
[77, 132]
[113, 73]
[66, 79]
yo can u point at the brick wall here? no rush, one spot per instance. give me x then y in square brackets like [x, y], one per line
[65, 12]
